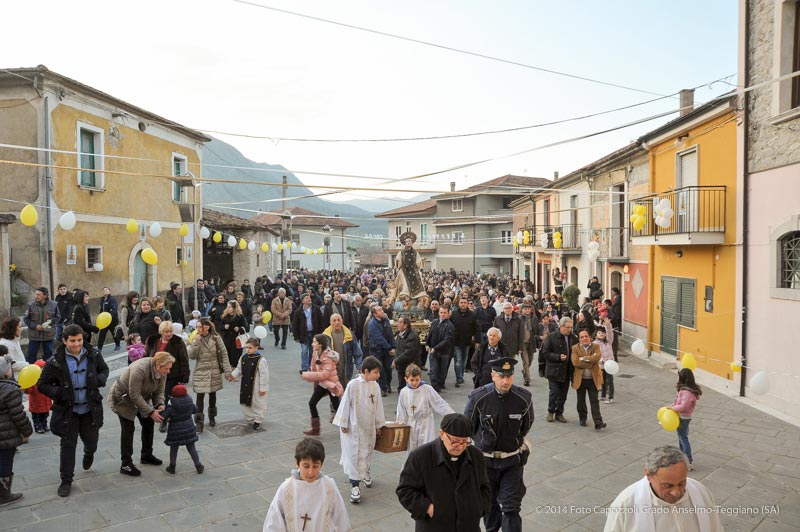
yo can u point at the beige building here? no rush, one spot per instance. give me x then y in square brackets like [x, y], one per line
[75, 148]
[417, 218]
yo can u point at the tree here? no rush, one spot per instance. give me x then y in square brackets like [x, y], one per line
[571, 294]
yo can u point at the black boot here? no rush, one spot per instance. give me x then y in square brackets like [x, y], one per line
[198, 422]
[212, 414]
[6, 496]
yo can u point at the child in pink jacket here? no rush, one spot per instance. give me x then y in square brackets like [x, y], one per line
[686, 399]
[325, 379]
[605, 338]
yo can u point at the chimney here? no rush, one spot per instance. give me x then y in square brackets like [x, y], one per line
[687, 101]
[555, 175]
[452, 186]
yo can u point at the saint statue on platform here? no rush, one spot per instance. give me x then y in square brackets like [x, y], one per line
[408, 263]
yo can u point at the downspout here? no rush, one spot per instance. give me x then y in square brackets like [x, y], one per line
[651, 262]
[745, 202]
[48, 196]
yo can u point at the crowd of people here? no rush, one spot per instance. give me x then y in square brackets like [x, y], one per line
[354, 331]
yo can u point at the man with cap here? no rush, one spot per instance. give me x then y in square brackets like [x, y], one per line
[451, 472]
[500, 416]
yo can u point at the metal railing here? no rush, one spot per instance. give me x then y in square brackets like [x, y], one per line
[695, 210]
[570, 235]
[614, 242]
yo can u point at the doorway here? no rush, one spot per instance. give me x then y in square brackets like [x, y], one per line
[669, 315]
[139, 274]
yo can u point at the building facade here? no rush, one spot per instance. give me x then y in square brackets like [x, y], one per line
[769, 175]
[417, 218]
[107, 161]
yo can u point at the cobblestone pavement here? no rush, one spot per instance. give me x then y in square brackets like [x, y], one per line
[749, 460]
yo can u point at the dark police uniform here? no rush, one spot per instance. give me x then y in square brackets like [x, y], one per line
[500, 423]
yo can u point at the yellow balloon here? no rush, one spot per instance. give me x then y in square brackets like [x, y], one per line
[217, 237]
[149, 256]
[266, 316]
[557, 243]
[242, 243]
[660, 413]
[184, 230]
[736, 367]
[191, 336]
[641, 210]
[28, 215]
[639, 223]
[514, 241]
[29, 376]
[132, 226]
[264, 247]
[103, 320]
[689, 362]
[526, 238]
[557, 234]
[670, 420]
[184, 262]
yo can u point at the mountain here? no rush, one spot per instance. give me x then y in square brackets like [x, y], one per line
[219, 156]
[384, 204]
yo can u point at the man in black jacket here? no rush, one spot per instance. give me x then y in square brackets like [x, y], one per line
[451, 472]
[196, 297]
[407, 350]
[467, 333]
[360, 313]
[72, 378]
[440, 348]
[489, 350]
[556, 352]
[306, 323]
[511, 328]
[615, 314]
[485, 314]
[337, 305]
[108, 303]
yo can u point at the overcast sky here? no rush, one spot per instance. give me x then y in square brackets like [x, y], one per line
[226, 66]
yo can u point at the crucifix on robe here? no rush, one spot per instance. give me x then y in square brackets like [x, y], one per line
[306, 518]
[372, 398]
[413, 407]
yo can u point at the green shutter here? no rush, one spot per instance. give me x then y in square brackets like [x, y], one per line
[88, 179]
[686, 316]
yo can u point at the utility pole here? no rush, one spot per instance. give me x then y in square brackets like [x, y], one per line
[283, 224]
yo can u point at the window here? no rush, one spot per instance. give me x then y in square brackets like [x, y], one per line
[178, 255]
[94, 255]
[90, 158]
[293, 264]
[178, 169]
[505, 237]
[546, 211]
[457, 205]
[796, 57]
[573, 214]
[296, 238]
[408, 226]
[507, 202]
[423, 232]
[786, 57]
[790, 261]
[686, 306]
[458, 238]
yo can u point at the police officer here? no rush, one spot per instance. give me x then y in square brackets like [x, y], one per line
[501, 415]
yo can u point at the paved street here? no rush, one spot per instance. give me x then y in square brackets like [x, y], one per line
[748, 460]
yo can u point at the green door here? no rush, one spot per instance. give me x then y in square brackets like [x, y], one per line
[670, 305]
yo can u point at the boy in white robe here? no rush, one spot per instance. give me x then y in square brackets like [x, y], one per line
[415, 407]
[360, 417]
[254, 371]
[308, 500]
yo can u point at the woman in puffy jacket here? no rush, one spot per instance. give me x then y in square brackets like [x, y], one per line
[325, 379]
[212, 364]
[15, 428]
[81, 316]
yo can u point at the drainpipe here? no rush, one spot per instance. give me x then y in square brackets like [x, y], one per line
[651, 262]
[745, 202]
[48, 196]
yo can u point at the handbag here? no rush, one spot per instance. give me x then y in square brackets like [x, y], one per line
[241, 340]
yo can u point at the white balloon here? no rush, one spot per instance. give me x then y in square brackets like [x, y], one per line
[260, 332]
[251, 245]
[67, 221]
[638, 347]
[663, 222]
[177, 328]
[155, 229]
[232, 241]
[204, 233]
[593, 245]
[659, 221]
[666, 204]
[98, 267]
[519, 236]
[667, 212]
[611, 367]
[759, 383]
[294, 245]
[303, 249]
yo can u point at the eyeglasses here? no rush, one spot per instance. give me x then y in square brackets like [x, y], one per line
[457, 443]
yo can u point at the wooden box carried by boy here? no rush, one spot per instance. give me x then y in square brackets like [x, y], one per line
[393, 438]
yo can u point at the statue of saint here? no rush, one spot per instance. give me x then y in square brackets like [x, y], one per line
[408, 264]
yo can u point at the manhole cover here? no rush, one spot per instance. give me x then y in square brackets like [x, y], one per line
[230, 429]
[623, 376]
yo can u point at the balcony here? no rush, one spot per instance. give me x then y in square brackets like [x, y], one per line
[699, 217]
[613, 244]
[570, 237]
[420, 245]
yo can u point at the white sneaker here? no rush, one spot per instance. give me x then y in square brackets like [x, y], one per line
[355, 495]
[368, 481]
[607, 401]
[610, 401]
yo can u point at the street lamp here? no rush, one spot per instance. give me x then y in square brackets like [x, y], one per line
[327, 243]
[285, 215]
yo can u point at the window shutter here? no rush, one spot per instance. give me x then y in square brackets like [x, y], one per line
[686, 317]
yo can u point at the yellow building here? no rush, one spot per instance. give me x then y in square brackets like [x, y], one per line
[107, 161]
[693, 252]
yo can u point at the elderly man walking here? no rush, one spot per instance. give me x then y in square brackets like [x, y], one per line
[557, 351]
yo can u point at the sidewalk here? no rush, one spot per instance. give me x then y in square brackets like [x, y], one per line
[749, 461]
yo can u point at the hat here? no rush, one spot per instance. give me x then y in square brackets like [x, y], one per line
[526, 305]
[457, 425]
[40, 363]
[6, 362]
[503, 366]
[179, 390]
[196, 313]
[408, 235]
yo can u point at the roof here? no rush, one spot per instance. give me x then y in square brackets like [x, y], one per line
[473, 220]
[222, 220]
[16, 74]
[611, 157]
[512, 184]
[727, 99]
[422, 207]
[303, 217]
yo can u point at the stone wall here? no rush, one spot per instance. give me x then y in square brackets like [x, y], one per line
[770, 145]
